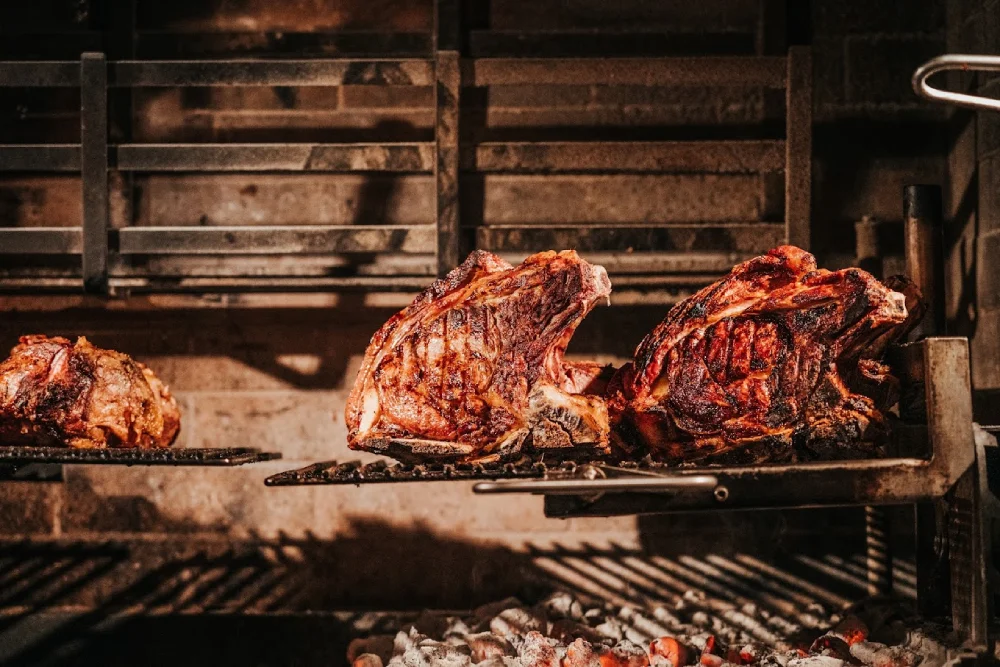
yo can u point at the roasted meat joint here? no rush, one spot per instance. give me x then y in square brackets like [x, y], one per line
[777, 360]
[473, 369]
[54, 392]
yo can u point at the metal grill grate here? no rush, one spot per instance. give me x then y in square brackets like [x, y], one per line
[231, 456]
[354, 472]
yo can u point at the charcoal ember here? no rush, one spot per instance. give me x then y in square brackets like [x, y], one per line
[612, 628]
[562, 605]
[566, 631]
[516, 622]
[367, 660]
[831, 645]
[624, 654]
[880, 655]
[703, 642]
[581, 653]
[491, 609]
[537, 650]
[751, 653]
[486, 645]
[431, 653]
[668, 648]
[933, 651]
[456, 631]
[711, 660]
[380, 645]
[505, 661]
[816, 661]
[406, 640]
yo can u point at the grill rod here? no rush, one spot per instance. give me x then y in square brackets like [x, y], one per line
[959, 62]
[597, 484]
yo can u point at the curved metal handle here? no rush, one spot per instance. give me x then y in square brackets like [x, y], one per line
[961, 62]
[573, 487]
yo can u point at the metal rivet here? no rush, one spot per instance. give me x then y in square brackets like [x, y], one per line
[721, 494]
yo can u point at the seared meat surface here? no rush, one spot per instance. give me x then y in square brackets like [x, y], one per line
[54, 392]
[473, 369]
[775, 353]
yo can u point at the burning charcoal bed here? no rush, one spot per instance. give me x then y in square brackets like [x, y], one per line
[566, 631]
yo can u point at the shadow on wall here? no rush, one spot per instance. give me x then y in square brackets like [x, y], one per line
[299, 601]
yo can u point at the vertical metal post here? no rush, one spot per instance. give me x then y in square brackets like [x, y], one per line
[949, 424]
[447, 93]
[94, 169]
[798, 147]
[922, 217]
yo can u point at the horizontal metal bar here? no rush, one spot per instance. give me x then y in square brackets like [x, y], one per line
[628, 156]
[706, 237]
[279, 284]
[764, 71]
[394, 157]
[276, 240]
[42, 241]
[40, 157]
[40, 73]
[398, 72]
[174, 44]
[214, 285]
[623, 264]
[827, 484]
[568, 43]
[651, 484]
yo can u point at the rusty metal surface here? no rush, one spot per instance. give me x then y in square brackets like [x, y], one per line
[40, 157]
[923, 239]
[742, 238]
[276, 240]
[353, 72]
[40, 74]
[94, 170]
[42, 240]
[232, 456]
[627, 156]
[447, 95]
[798, 147]
[555, 43]
[394, 157]
[764, 71]
[225, 44]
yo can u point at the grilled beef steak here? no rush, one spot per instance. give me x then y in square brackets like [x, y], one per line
[54, 392]
[772, 354]
[473, 369]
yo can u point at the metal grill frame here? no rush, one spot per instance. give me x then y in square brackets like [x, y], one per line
[937, 367]
[457, 58]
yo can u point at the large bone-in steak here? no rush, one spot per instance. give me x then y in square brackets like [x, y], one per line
[473, 369]
[776, 352]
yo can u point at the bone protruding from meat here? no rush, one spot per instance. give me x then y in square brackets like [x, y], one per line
[474, 369]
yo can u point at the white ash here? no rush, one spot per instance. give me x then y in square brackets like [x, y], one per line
[564, 631]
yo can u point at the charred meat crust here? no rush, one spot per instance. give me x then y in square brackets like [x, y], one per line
[477, 360]
[57, 393]
[776, 353]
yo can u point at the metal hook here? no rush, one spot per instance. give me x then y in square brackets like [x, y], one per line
[961, 62]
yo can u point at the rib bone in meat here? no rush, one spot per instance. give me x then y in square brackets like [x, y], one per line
[473, 369]
[776, 352]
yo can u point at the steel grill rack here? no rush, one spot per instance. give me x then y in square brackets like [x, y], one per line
[165, 456]
[936, 379]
